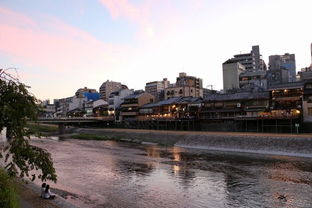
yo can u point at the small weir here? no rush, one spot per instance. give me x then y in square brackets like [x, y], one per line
[301, 147]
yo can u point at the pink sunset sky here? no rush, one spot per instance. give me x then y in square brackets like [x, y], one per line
[60, 46]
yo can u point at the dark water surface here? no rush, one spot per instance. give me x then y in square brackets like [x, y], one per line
[111, 174]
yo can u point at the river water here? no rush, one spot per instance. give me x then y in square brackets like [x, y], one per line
[110, 174]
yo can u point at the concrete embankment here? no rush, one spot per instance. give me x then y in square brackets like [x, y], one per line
[280, 144]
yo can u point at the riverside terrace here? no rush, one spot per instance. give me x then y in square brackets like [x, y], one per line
[286, 109]
[283, 109]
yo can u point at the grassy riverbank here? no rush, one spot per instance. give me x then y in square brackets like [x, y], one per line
[42, 127]
[8, 195]
[95, 134]
[36, 128]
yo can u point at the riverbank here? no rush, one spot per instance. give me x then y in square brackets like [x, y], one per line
[263, 143]
[29, 195]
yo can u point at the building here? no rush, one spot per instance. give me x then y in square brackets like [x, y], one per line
[62, 106]
[252, 61]
[287, 62]
[80, 92]
[306, 73]
[157, 88]
[231, 71]
[185, 86]
[131, 105]
[171, 109]
[207, 92]
[47, 109]
[277, 76]
[114, 101]
[307, 106]
[254, 80]
[108, 87]
[100, 108]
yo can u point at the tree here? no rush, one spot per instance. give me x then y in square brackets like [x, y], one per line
[17, 107]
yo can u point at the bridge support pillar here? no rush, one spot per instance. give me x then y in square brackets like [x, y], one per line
[61, 128]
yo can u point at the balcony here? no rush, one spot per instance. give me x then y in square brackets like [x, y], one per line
[126, 105]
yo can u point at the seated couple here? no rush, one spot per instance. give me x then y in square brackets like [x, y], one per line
[45, 192]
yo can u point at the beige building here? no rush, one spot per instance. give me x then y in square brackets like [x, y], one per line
[231, 72]
[131, 105]
[108, 87]
[185, 86]
[157, 88]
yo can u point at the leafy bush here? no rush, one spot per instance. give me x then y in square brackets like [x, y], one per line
[8, 197]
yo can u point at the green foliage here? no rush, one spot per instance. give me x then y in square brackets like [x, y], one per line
[35, 127]
[8, 197]
[17, 107]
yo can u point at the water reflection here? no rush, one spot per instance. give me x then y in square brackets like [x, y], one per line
[131, 175]
[153, 151]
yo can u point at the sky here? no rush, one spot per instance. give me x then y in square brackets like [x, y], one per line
[59, 46]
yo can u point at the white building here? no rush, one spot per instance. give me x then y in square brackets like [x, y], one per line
[115, 100]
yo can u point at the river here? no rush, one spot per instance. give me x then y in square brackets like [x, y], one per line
[111, 174]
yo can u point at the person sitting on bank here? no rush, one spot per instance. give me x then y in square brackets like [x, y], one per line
[43, 186]
[48, 194]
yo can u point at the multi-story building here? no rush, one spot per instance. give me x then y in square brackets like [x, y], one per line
[254, 75]
[231, 72]
[276, 77]
[80, 92]
[131, 105]
[255, 80]
[62, 105]
[115, 100]
[287, 62]
[307, 106]
[157, 88]
[252, 61]
[108, 87]
[185, 86]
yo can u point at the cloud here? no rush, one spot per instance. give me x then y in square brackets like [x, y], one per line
[140, 15]
[52, 44]
[124, 9]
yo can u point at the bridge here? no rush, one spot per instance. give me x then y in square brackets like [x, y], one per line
[62, 122]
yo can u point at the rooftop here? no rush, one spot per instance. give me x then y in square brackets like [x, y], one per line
[238, 96]
[174, 100]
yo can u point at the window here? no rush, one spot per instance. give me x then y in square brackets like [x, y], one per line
[308, 86]
[310, 111]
